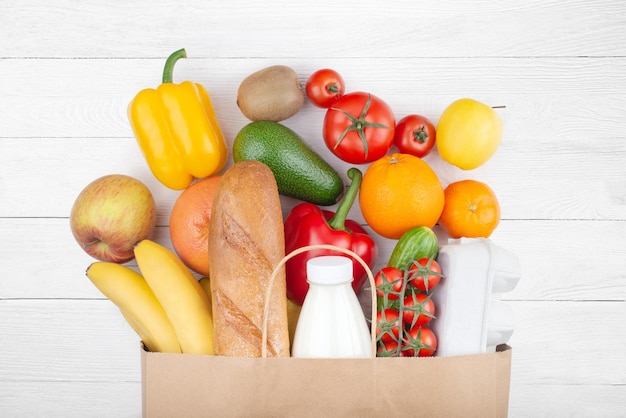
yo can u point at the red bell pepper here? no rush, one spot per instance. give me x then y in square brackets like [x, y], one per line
[307, 224]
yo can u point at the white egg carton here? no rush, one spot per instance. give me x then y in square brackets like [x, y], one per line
[471, 317]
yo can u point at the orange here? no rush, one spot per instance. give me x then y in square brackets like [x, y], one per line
[471, 210]
[399, 192]
[189, 224]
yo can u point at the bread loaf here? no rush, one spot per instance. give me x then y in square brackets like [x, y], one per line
[246, 242]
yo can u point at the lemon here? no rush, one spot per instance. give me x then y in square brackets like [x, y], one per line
[468, 133]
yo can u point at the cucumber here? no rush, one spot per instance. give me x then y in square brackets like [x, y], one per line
[416, 243]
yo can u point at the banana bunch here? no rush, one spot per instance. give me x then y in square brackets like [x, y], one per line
[165, 304]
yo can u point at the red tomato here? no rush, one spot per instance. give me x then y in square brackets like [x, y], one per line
[389, 282]
[415, 135]
[418, 309]
[421, 340]
[324, 87]
[425, 274]
[388, 325]
[387, 349]
[359, 128]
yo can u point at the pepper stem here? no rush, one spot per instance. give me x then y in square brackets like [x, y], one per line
[338, 221]
[168, 70]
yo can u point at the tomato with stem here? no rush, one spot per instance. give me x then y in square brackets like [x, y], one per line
[387, 349]
[415, 135]
[425, 274]
[419, 309]
[419, 341]
[389, 282]
[324, 87]
[359, 128]
[388, 325]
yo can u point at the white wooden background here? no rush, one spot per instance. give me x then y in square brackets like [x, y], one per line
[69, 69]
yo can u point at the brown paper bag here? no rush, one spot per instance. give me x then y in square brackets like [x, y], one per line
[185, 385]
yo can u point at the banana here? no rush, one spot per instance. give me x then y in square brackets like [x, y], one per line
[185, 303]
[205, 284]
[129, 291]
[293, 314]
[148, 340]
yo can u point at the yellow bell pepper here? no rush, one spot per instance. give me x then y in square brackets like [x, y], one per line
[177, 130]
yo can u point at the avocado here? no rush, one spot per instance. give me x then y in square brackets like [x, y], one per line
[300, 172]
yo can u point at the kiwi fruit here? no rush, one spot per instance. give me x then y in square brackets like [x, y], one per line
[272, 94]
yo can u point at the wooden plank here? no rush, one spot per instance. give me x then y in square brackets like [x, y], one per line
[66, 340]
[572, 186]
[559, 259]
[88, 341]
[315, 28]
[572, 343]
[544, 96]
[53, 265]
[62, 399]
[573, 401]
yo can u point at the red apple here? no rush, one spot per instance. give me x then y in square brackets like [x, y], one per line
[111, 215]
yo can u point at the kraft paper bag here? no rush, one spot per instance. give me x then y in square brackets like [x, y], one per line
[185, 385]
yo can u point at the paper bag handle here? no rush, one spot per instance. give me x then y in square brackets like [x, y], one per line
[301, 250]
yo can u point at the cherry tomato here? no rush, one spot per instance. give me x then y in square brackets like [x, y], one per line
[415, 135]
[387, 349]
[425, 274]
[388, 325]
[419, 341]
[359, 128]
[324, 87]
[418, 309]
[389, 282]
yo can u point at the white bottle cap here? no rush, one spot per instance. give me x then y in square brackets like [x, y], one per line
[329, 269]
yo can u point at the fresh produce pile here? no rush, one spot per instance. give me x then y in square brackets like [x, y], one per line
[231, 213]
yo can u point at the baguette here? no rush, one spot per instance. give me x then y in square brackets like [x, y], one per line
[246, 242]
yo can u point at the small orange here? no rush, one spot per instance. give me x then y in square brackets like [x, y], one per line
[471, 210]
[189, 224]
[399, 192]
